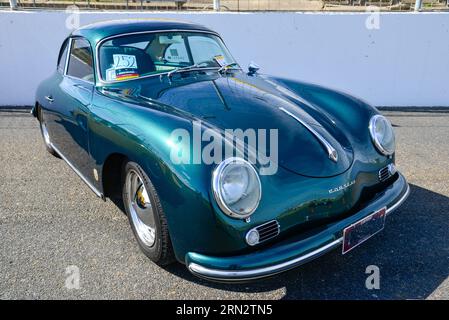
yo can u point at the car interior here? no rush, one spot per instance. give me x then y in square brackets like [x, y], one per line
[157, 53]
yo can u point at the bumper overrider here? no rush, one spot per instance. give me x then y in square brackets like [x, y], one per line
[287, 255]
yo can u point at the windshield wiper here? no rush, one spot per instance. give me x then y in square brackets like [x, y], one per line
[197, 66]
[184, 69]
[229, 66]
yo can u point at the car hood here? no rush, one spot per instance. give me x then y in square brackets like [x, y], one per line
[239, 101]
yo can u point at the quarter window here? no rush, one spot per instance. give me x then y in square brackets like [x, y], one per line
[80, 60]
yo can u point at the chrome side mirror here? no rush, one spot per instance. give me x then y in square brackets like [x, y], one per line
[253, 68]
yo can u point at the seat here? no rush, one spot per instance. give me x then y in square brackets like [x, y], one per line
[145, 64]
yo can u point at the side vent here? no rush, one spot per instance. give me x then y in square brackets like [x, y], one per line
[268, 230]
[387, 172]
[262, 233]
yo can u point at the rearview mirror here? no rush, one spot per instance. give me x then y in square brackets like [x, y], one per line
[253, 68]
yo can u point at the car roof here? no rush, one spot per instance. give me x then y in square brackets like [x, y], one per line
[97, 31]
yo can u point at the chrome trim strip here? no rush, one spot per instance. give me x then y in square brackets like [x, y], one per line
[330, 150]
[90, 185]
[66, 66]
[244, 275]
[80, 80]
[400, 201]
[97, 47]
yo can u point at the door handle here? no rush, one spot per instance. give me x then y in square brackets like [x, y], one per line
[49, 99]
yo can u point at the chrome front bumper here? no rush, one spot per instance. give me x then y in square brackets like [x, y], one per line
[240, 273]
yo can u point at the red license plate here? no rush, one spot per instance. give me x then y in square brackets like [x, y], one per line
[362, 230]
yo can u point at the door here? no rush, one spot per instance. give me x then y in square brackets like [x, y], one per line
[72, 98]
[53, 104]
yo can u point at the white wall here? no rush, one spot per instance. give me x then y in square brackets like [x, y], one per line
[404, 63]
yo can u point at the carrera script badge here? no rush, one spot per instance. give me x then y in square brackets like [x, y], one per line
[342, 187]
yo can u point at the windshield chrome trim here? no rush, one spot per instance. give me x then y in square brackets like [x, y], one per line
[97, 55]
[332, 153]
[69, 48]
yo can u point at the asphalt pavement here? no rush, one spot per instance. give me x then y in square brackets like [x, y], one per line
[52, 225]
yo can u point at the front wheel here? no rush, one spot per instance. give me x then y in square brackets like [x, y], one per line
[145, 215]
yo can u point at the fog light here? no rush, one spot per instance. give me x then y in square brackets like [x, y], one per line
[252, 237]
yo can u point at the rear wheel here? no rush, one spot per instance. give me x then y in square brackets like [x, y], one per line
[145, 215]
[46, 135]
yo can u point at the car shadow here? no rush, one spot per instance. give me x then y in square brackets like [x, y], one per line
[412, 255]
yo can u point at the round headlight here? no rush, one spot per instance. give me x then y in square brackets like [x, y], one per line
[382, 134]
[236, 187]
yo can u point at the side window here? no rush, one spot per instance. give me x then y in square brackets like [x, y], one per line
[80, 60]
[63, 57]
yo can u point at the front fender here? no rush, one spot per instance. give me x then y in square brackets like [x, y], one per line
[143, 134]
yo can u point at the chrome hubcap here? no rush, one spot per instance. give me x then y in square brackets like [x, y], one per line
[45, 134]
[140, 208]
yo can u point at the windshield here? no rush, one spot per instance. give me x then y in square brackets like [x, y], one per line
[135, 56]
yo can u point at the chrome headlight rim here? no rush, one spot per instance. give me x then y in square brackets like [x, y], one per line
[372, 130]
[216, 178]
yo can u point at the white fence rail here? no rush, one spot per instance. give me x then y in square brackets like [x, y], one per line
[234, 5]
[389, 59]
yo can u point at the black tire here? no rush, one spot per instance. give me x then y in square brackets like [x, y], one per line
[42, 126]
[161, 252]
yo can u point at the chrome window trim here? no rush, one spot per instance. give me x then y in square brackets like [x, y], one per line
[97, 47]
[332, 153]
[66, 67]
[244, 275]
[216, 176]
[65, 45]
[81, 80]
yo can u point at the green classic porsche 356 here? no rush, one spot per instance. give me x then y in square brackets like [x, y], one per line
[237, 174]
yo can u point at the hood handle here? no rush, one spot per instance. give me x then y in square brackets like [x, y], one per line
[332, 153]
